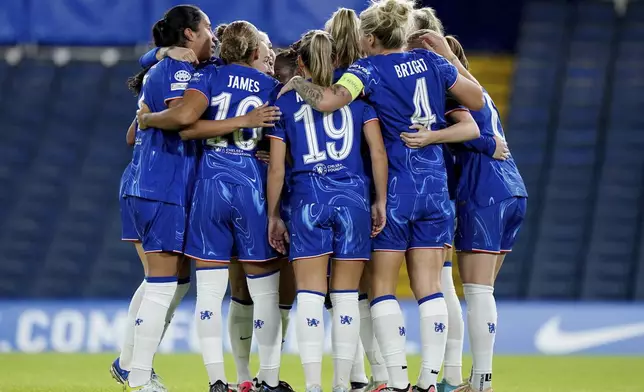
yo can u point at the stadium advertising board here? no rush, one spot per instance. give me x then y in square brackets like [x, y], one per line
[527, 328]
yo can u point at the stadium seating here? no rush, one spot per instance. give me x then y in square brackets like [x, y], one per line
[575, 142]
[62, 163]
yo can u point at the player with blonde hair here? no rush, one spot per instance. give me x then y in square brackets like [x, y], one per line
[419, 216]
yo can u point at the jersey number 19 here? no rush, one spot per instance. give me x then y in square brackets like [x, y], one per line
[344, 133]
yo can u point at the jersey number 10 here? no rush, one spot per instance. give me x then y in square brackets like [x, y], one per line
[222, 101]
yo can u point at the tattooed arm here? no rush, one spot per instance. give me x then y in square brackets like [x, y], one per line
[323, 99]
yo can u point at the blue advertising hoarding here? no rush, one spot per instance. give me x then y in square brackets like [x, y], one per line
[523, 328]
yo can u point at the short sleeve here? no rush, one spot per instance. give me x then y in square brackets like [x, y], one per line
[178, 74]
[484, 144]
[447, 71]
[369, 114]
[200, 80]
[358, 77]
[278, 131]
[452, 105]
[272, 98]
[149, 59]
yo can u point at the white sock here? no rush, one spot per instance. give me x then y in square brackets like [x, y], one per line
[240, 331]
[149, 323]
[370, 344]
[310, 334]
[481, 325]
[433, 337]
[183, 285]
[211, 288]
[285, 312]
[453, 363]
[358, 371]
[389, 327]
[125, 358]
[345, 335]
[267, 321]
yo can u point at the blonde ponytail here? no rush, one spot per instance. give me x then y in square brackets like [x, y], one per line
[344, 27]
[316, 48]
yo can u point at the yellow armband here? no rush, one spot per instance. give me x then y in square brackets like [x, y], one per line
[352, 83]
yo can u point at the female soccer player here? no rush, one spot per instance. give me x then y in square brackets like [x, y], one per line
[344, 27]
[121, 366]
[496, 148]
[240, 314]
[156, 201]
[490, 214]
[406, 88]
[228, 211]
[331, 206]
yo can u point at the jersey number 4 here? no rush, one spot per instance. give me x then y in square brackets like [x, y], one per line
[344, 133]
[422, 109]
[222, 101]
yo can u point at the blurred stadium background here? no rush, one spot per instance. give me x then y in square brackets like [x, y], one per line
[567, 77]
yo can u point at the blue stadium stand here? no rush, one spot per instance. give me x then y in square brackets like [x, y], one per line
[540, 52]
[561, 245]
[612, 263]
[65, 156]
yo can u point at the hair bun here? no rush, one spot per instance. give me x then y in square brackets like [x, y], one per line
[238, 41]
[395, 12]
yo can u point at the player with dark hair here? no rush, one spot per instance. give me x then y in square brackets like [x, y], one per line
[156, 201]
[228, 210]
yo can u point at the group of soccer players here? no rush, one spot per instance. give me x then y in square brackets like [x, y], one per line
[321, 168]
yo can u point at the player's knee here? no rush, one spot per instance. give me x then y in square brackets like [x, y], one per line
[163, 264]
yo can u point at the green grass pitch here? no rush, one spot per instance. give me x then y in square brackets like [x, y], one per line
[185, 373]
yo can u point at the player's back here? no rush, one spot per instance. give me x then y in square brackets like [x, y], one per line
[328, 166]
[234, 90]
[485, 180]
[409, 88]
[163, 166]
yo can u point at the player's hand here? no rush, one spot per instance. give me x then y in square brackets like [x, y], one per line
[378, 217]
[262, 116]
[417, 139]
[141, 117]
[263, 156]
[182, 54]
[437, 43]
[277, 234]
[502, 151]
[288, 86]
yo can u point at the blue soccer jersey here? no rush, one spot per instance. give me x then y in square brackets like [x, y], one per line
[233, 90]
[409, 88]
[128, 227]
[484, 180]
[491, 194]
[163, 166]
[329, 189]
[328, 167]
[228, 215]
